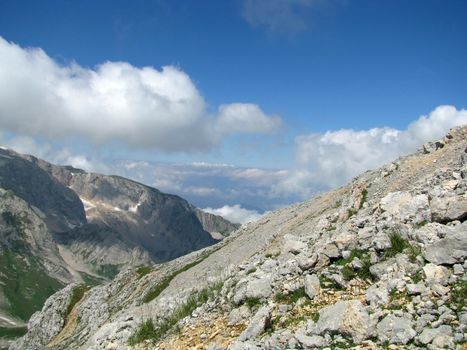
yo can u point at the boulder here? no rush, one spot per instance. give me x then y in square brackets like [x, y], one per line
[312, 286]
[258, 324]
[436, 274]
[449, 250]
[311, 342]
[395, 330]
[446, 209]
[428, 334]
[404, 206]
[347, 318]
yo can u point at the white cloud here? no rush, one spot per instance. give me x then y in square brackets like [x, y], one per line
[139, 107]
[245, 118]
[63, 156]
[235, 213]
[332, 158]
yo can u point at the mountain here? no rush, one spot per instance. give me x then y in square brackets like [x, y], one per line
[378, 263]
[60, 225]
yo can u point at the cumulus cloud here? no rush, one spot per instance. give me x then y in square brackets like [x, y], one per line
[235, 213]
[139, 107]
[332, 158]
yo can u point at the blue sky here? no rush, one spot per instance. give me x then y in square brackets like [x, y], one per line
[304, 67]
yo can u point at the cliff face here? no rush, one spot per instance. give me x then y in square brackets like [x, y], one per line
[60, 225]
[379, 261]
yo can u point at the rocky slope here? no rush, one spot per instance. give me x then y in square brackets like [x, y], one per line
[60, 224]
[379, 263]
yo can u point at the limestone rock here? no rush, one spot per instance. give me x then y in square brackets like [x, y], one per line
[260, 321]
[312, 286]
[345, 317]
[395, 330]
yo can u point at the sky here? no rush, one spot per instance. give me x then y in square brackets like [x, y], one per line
[239, 106]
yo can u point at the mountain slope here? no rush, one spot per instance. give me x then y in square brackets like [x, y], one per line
[379, 261]
[60, 225]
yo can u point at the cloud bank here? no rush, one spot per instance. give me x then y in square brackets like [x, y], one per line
[330, 159]
[142, 108]
[235, 213]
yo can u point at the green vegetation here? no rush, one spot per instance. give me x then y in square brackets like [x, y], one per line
[164, 283]
[291, 298]
[109, 270]
[364, 198]
[458, 294]
[148, 331]
[348, 273]
[328, 283]
[421, 224]
[252, 302]
[25, 284]
[401, 245]
[143, 270]
[12, 333]
[18, 221]
[91, 280]
[76, 295]
[351, 212]
[331, 228]
[251, 270]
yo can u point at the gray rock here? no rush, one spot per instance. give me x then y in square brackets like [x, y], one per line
[345, 317]
[253, 288]
[429, 334]
[414, 289]
[377, 294]
[293, 245]
[312, 286]
[446, 209]
[382, 268]
[331, 251]
[314, 341]
[404, 206]
[443, 341]
[243, 345]
[238, 315]
[436, 274]
[260, 321]
[395, 330]
[449, 250]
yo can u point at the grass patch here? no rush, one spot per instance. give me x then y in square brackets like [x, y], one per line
[401, 245]
[252, 302]
[328, 283]
[164, 283]
[76, 295]
[143, 270]
[458, 294]
[291, 298]
[12, 333]
[250, 271]
[331, 228]
[109, 270]
[421, 224]
[364, 198]
[25, 283]
[351, 212]
[148, 331]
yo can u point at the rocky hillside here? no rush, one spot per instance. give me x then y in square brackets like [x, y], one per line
[60, 225]
[379, 263]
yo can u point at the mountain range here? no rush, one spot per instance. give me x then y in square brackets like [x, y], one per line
[59, 224]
